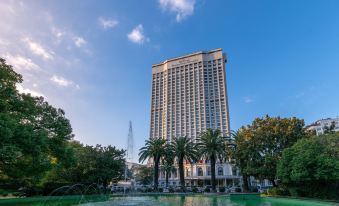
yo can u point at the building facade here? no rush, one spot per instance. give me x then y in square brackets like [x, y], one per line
[320, 125]
[189, 95]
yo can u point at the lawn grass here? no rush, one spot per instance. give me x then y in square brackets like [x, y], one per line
[52, 200]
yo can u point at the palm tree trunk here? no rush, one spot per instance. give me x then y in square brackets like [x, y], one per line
[213, 173]
[167, 174]
[181, 173]
[156, 172]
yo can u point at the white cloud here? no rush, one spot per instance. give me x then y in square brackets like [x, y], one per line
[79, 41]
[108, 23]
[61, 81]
[21, 89]
[248, 99]
[37, 49]
[58, 34]
[137, 35]
[182, 8]
[21, 63]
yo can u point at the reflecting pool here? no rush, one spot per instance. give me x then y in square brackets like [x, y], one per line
[202, 200]
[157, 200]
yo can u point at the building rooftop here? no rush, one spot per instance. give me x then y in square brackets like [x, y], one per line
[187, 55]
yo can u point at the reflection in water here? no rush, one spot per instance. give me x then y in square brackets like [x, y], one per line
[200, 200]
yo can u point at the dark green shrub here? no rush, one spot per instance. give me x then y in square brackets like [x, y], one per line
[171, 189]
[277, 191]
[17, 194]
[207, 189]
[221, 189]
[49, 187]
[254, 189]
[160, 189]
[238, 189]
[195, 190]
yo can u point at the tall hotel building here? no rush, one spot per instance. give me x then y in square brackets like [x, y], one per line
[189, 95]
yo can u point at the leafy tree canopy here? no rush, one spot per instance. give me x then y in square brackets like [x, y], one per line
[259, 146]
[33, 133]
[312, 166]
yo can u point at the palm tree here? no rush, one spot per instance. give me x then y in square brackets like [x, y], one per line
[212, 146]
[154, 148]
[167, 162]
[184, 149]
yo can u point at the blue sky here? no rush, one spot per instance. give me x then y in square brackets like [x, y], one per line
[93, 59]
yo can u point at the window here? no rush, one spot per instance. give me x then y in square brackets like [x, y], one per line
[200, 172]
[220, 171]
[234, 171]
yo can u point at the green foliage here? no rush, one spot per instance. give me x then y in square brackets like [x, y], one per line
[259, 146]
[144, 175]
[184, 149]
[33, 133]
[221, 189]
[254, 189]
[92, 165]
[154, 148]
[311, 167]
[277, 191]
[36, 151]
[330, 129]
[170, 189]
[168, 161]
[212, 146]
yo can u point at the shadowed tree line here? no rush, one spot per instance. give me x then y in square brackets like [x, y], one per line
[37, 151]
[277, 149]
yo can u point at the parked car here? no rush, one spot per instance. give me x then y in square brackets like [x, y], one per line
[234, 189]
[116, 188]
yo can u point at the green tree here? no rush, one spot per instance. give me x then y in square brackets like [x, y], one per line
[212, 146]
[262, 144]
[184, 149]
[168, 162]
[311, 167]
[244, 156]
[33, 133]
[330, 129]
[144, 175]
[90, 165]
[154, 148]
[109, 163]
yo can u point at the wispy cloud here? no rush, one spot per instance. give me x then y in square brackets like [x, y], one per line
[137, 35]
[182, 8]
[61, 81]
[21, 89]
[79, 41]
[21, 63]
[107, 23]
[58, 34]
[37, 49]
[248, 99]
